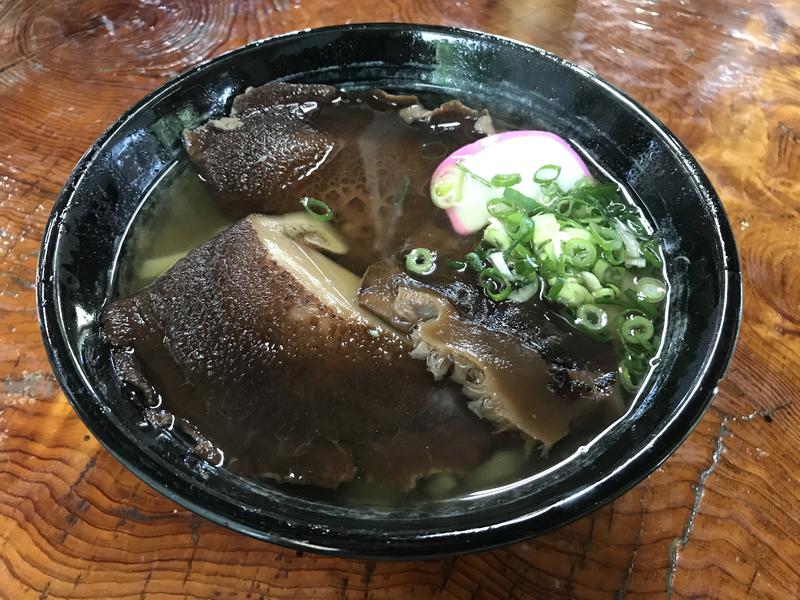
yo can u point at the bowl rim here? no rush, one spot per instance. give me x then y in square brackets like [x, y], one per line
[71, 378]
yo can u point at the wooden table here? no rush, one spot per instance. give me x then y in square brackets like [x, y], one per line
[720, 519]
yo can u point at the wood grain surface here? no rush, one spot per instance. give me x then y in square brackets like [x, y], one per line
[720, 519]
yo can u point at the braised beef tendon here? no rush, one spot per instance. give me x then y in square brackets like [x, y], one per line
[260, 333]
[518, 369]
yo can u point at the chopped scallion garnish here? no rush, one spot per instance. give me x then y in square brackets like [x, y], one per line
[581, 253]
[505, 180]
[573, 294]
[317, 208]
[583, 249]
[604, 293]
[494, 284]
[420, 261]
[636, 330]
[456, 265]
[651, 289]
[500, 207]
[472, 174]
[474, 261]
[591, 317]
[614, 275]
[547, 174]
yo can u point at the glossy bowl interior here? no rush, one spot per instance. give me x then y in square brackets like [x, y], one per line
[90, 219]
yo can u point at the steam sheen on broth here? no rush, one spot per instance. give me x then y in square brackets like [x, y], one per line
[296, 352]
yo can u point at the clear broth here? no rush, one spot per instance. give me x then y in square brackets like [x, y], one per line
[180, 214]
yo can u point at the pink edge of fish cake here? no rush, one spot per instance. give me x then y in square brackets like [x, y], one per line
[458, 226]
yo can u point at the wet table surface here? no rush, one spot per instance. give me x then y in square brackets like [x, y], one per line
[721, 518]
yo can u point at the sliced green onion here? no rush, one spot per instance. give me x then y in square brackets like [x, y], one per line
[472, 174]
[651, 255]
[494, 284]
[420, 261]
[615, 257]
[519, 227]
[573, 294]
[555, 289]
[547, 174]
[564, 206]
[651, 289]
[447, 191]
[581, 253]
[591, 282]
[317, 208]
[456, 265]
[599, 269]
[639, 262]
[550, 191]
[496, 236]
[615, 275]
[579, 209]
[626, 378]
[562, 265]
[506, 180]
[526, 292]
[644, 307]
[632, 248]
[605, 237]
[636, 330]
[604, 293]
[526, 203]
[591, 317]
[524, 267]
[496, 258]
[517, 247]
[500, 207]
[586, 245]
[546, 228]
[520, 250]
[549, 269]
[580, 233]
[474, 261]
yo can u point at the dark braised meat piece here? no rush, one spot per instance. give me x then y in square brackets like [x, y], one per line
[364, 155]
[511, 366]
[256, 340]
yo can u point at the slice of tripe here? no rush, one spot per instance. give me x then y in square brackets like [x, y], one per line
[507, 382]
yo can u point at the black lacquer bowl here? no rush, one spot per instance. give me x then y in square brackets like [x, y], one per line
[84, 235]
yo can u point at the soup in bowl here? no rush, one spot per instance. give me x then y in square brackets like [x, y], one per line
[353, 291]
